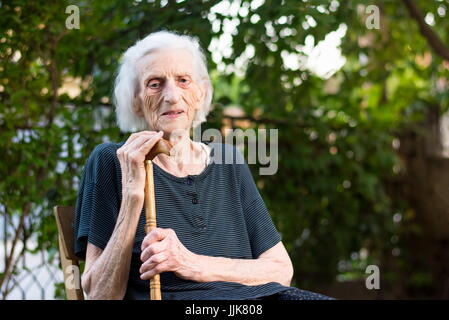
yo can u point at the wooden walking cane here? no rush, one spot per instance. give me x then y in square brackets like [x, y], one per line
[162, 146]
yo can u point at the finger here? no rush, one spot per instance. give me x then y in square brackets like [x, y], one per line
[153, 262]
[148, 275]
[138, 140]
[159, 268]
[142, 145]
[136, 135]
[151, 250]
[159, 257]
[155, 235]
[146, 146]
[137, 150]
[131, 142]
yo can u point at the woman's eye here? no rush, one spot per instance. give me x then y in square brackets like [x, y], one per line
[154, 84]
[184, 81]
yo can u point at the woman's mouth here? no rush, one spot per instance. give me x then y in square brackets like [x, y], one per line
[173, 114]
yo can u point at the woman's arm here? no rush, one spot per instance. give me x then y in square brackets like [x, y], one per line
[106, 271]
[162, 251]
[274, 265]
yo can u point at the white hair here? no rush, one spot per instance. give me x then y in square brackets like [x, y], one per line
[126, 80]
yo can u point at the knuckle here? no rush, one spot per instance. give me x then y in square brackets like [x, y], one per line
[151, 250]
[133, 159]
[136, 134]
[158, 232]
[153, 234]
[159, 268]
[124, 154]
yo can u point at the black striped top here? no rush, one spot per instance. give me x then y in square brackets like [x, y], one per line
[218, 212]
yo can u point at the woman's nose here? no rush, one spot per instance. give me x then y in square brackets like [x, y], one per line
[171, 92]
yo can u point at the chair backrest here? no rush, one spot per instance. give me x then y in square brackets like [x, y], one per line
[69, 262]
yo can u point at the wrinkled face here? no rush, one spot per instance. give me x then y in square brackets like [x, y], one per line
[168, 93]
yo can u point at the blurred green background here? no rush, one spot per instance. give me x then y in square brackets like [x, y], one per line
[357, 89]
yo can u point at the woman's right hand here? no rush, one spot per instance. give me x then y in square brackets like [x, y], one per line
[132, 156]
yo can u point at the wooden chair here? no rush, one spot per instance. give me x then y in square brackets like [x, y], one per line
[70, 262]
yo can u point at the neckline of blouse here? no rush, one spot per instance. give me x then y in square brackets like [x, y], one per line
[199, 176]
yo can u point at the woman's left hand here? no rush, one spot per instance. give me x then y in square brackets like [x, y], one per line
[162, 251]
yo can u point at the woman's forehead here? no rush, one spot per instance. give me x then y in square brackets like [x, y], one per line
[166, 62]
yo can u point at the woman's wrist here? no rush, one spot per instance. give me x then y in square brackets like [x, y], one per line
[132, 194]
[192, 267]
[203, 268]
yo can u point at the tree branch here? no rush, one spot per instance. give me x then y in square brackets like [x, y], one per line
[9, 265]
[432, 38]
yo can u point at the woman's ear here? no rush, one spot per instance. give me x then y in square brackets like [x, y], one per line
[202, 91]
[137, 101]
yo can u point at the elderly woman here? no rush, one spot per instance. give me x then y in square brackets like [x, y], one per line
[215, 238]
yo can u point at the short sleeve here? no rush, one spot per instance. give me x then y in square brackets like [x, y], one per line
[98, 201]
[262, 232]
